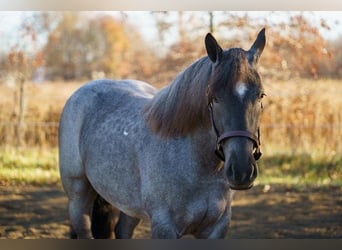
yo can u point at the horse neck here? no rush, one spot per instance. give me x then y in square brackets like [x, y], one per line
[181, 108]
[203, 143]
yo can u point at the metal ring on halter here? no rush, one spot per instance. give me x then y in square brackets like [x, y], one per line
[235, 133]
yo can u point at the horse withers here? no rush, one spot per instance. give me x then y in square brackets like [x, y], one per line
[172, 156]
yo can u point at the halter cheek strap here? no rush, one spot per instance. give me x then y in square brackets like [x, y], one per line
[234, 133]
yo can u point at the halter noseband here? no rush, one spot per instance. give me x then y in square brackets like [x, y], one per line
[234, 133]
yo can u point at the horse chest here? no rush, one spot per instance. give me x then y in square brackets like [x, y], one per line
[206, 211]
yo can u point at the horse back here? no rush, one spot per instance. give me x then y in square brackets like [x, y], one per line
[99, 122]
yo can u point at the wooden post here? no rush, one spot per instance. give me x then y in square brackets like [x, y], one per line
[211, 22]
[21, 113]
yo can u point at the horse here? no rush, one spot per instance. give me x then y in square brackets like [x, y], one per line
[173, 157]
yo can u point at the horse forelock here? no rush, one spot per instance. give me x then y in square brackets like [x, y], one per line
[232, 69]
[181, 107]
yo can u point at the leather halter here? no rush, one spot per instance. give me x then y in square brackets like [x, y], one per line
[234, 133]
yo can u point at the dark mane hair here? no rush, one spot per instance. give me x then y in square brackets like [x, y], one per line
[181, 107]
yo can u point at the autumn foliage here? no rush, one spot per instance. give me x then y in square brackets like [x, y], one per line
[80, 47]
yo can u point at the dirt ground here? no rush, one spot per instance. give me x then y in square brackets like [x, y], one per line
[262, 212]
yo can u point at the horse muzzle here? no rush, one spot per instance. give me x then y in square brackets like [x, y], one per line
[240, 167]
[241, 178]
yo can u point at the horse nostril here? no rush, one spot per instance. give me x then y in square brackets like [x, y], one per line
[234, 174]
[244, 176]
[254, 173]
[230, 172]
[241, 177]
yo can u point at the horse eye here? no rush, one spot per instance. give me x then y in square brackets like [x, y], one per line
[262, 95]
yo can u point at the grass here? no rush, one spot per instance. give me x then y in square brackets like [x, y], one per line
[28, 166]
[300, 170]
[40, 167]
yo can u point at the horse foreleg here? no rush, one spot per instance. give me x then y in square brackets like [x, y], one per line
[219, 229]
[81, 200]
[163, 227]
[164, 231]
[125, 227]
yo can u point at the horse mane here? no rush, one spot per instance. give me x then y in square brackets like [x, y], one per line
[181, 107]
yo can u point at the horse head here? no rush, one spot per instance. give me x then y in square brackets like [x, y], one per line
[234, 99]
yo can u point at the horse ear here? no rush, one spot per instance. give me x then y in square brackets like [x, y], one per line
[213, 48]
[258, 46]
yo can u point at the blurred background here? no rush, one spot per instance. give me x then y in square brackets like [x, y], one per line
[45, 56]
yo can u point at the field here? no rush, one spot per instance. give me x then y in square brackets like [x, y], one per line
[40, 212]
[297, 195]
[301, 112]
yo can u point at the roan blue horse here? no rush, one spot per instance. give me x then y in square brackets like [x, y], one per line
[151, 155]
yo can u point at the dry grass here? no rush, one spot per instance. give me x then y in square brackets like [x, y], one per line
[300, 117]
[303, 117]
[43, 106]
